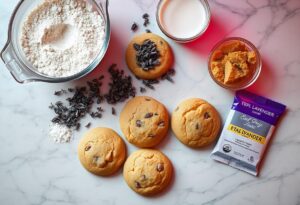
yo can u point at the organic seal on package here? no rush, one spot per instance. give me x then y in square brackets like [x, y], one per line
[247, 131]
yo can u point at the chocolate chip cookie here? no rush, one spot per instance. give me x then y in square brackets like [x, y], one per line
[149, 56]
[101, 151]
[147, 171]
[195, 122]
[144, 121]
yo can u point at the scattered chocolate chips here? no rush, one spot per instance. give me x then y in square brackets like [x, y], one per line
[148, 31]
[138, 123]
[146, 19]
[82, 99]
[100, 109]
[147, 55]
[150, 83]
[137, 185]
[113, 111]
[206, 115]
[146, 22]
[87, 148]
[79, 105]
[96, 115]
[134, 27]
[197, 126]
[120, 87]
[148, 115]
[160, 167]
[168, 75]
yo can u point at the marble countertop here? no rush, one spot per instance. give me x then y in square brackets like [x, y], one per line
[34, 170]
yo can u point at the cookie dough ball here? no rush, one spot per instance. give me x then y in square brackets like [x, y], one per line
[195, 122]
[102, 151]
[147, 171]
[144, 121]
[149, 56]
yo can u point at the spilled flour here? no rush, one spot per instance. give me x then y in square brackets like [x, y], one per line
[60, 133]
[62, 37]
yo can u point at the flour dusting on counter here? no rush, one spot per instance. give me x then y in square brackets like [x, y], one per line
[60, 133]
[62, 37]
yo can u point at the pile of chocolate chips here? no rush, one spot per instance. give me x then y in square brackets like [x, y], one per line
[147, 55]
[80, 104]
[121, 87]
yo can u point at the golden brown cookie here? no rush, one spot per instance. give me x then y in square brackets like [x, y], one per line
[147, 171]
[195, 122]
[144, 121]
[145, 70]
[101, 151]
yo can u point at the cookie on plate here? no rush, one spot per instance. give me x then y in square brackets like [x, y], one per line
[147, 171]
[149, 56]
[101, 151]
[195, 122]
[144, 121]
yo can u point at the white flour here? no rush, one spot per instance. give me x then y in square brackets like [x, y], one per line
[62, 37]
[60, 133]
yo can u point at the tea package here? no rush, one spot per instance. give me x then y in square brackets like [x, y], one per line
[247, 131]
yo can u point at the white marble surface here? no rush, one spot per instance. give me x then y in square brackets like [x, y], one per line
[34, 170]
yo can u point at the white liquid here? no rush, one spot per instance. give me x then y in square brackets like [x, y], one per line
[183, 18]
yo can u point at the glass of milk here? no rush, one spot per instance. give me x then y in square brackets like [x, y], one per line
[183, 20]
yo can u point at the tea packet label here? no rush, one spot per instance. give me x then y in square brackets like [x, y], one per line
[247, 131]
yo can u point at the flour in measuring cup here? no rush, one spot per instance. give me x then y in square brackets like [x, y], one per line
[62, 37]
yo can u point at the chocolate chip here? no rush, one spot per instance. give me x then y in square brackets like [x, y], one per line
[138, 123]
[88, 125]
[161, 124]
[156, 114]
[145, 16]
[113, 111]
[147, 99]
[197, 126]
[206, 115]
[160, 167]
[137, 184]
[134, 27]
[148, 31]
[87, 148]
[142, 89]
[149, 115]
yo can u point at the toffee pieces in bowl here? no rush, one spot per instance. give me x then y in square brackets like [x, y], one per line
[144, 121]
[147, 171]
[149, 56]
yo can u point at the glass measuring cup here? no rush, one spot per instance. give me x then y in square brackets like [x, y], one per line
[13, 56]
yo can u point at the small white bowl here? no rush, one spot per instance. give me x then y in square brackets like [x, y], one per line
[159, 18]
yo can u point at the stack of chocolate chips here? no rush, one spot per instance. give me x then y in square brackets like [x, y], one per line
[147, 55]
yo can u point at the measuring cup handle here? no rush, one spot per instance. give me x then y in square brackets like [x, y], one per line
[9, 58]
